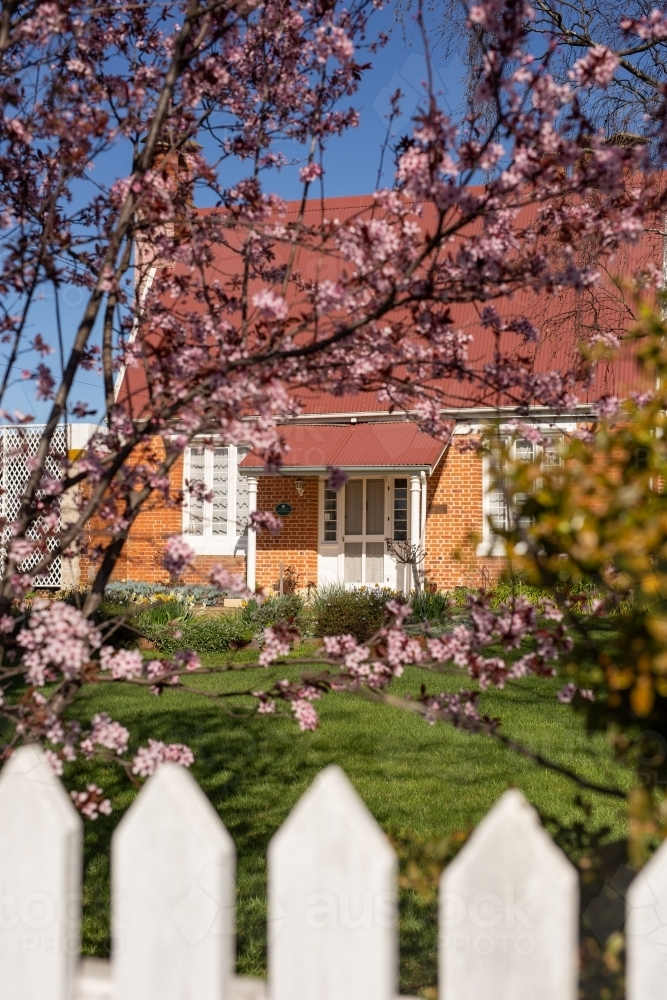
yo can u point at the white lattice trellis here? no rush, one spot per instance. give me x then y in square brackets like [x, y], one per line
[18, 446]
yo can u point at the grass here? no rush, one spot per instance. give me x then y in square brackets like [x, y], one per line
[420, 782]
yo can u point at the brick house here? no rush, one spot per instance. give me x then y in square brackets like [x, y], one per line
[402, 484]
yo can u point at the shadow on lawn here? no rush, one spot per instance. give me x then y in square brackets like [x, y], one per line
[253, 772]
[253, 775]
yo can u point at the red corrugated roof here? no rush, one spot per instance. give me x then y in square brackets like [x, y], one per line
[564, 318]
[317, 447]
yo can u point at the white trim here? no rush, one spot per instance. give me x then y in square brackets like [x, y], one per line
[78, 435]
[464, 414]
[490, 545]
[135, 326]
[353, 471]
[251, 557]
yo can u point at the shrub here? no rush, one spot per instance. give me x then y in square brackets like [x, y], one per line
[162, 613]
[337, 611]
[276, 609]
[131, 590]
[434, 608]
[204, 634]
[518, 586]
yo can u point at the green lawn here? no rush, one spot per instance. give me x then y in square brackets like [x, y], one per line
[419, 781]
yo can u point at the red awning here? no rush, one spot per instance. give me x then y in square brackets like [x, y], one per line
[355, 447]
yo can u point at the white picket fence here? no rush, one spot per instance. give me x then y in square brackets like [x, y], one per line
[508, 902]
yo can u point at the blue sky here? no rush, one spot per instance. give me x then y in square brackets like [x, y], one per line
[351, 167]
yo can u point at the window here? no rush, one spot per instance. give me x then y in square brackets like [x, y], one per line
[242, 508]
[220, 486]
[401, 510]
[215, 523]
[495, 505]
[330, 515]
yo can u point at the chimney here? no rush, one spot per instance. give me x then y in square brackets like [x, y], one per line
[171, 160]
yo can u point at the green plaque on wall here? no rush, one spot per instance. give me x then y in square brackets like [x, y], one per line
[283, 509]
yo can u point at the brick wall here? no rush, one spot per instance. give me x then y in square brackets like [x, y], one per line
[297, 543]
[452, 537]
[142, 555]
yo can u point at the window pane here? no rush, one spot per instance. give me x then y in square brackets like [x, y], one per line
[374, 562]
[196, 505]
[353, 562]
[375, 506]
[401, 510]
[497, 506]
[220, 491]
[498, 510]
[551, 460]
[524, 450]
[242, 512]
[354, 492]
[330, 515]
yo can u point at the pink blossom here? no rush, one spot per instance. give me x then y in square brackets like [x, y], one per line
[337, 479]
[266, 706]
[551, 611]
[652, 27]
[265, 520]
[178, 556]
[305, 715]
[607, 407]
[310, 172]
[149, 758]
[57, 637]
[187, 659]
[596, 68]
[91, 802]
[339, 645]
[124, 664]
[21, 584]
[55, 762]
[21, 548]
[271, 306]
[399, 610]
[109, 734]
[226, 582]
[277, 643]
[567, 693]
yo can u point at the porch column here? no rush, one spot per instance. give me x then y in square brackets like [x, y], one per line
[422, 526]
[251, 554]
[415, 512]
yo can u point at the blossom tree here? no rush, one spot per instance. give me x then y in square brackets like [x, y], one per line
[627, 56]
[179, 93]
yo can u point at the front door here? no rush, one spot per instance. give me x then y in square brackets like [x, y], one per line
[365, 531]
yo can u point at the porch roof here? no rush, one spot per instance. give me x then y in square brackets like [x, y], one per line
[387, 447]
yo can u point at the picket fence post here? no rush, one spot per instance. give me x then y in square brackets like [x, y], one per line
[508, 902]
[173, 888]
[646, 931]
[332, 931]
[40, 881]
[509, 912]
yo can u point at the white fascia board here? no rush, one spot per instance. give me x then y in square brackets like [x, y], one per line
[354, 470]
[465, 414]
